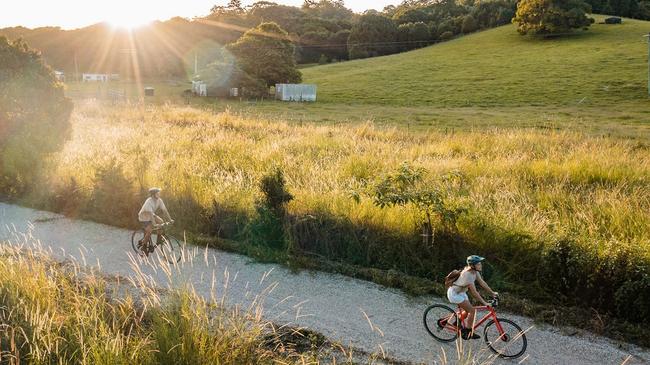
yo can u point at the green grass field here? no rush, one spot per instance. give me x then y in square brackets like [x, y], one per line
[603, 66]
[594, 82]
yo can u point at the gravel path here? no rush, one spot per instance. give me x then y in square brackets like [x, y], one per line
[354, 312]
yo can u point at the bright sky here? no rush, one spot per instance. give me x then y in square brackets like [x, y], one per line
[69, 14]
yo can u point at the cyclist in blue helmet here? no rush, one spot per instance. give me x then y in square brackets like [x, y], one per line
[457, 292]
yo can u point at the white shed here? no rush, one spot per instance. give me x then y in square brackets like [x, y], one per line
[87, 77]
[200, 88]
[295, 92]
[60, 75]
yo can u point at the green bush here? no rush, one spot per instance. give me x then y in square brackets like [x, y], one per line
[267, 228]
[113, 199]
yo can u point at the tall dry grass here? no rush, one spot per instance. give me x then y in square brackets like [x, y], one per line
[57, 310]
[557, 213]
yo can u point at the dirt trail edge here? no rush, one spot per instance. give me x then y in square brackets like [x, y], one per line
[353, 312]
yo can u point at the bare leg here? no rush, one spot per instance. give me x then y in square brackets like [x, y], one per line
[147, 234]
[471, 312]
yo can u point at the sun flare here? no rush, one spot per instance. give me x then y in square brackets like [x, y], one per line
[129, 21]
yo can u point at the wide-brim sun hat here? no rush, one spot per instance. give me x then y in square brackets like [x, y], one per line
[154, 190]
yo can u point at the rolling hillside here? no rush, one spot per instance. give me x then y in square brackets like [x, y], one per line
[602, 66]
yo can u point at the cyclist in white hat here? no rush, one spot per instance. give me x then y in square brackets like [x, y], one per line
[147, 215]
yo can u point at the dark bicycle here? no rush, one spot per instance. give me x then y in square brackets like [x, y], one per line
[170, 247]
[503, 336]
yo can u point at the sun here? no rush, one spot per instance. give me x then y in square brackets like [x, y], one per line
[129, 21]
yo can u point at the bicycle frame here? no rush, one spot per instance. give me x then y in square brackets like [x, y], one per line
[491, 314]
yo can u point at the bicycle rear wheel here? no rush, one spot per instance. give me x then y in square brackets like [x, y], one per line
[171, 249]
[441, 322]
[511, 344]
[137, 236]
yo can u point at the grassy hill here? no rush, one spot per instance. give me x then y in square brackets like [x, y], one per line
[600, 67]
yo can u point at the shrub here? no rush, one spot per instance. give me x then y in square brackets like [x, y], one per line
[268, 226]
[113, 199]
[445, 36]
[68, 199]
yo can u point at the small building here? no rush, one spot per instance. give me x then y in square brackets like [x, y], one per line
[149, 91]
[88, 77]
[60, 76]
[295, 92]
[613, 20]
[199, 88]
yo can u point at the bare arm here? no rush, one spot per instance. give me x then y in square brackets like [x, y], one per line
[164, 209]
[482, 283]
[476, 294]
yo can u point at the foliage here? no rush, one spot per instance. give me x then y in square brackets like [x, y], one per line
[34, 115]
[431, 198]
[413, 35]
[113, 199]
[274, 192]
[265, 53]
[328, 9]
[469, 25]
[551, 17]
[373, 35]
[268, 226]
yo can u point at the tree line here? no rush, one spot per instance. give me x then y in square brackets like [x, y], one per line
[321, 31]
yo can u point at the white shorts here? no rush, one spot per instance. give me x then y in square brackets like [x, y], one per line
[454, 297]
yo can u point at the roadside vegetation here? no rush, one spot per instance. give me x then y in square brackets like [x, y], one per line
[67, 313]
[562, 216]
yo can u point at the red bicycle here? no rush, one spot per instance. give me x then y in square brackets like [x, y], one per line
[503, 336]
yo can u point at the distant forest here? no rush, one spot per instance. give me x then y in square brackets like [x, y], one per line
[322, 30]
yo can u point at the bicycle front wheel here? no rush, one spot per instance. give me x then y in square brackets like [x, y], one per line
[441, 322]
[510, 344]
[171, 249]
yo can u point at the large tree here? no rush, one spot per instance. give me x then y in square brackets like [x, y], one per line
[373, 35]
[266, 53]
[34, 115]
[551, 17]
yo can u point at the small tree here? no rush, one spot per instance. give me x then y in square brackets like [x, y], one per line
[268, 227]
[266, 53]
[551, 17]
[431, 198]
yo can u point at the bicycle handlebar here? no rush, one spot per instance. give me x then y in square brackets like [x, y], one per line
[494, 302]
[164, 224]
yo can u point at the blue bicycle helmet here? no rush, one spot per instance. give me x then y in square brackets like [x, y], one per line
[474, 259]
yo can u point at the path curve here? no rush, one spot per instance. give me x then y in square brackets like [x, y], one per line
[331, 304]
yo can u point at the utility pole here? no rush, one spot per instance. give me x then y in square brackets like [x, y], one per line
[647, 36]
[76, 68]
